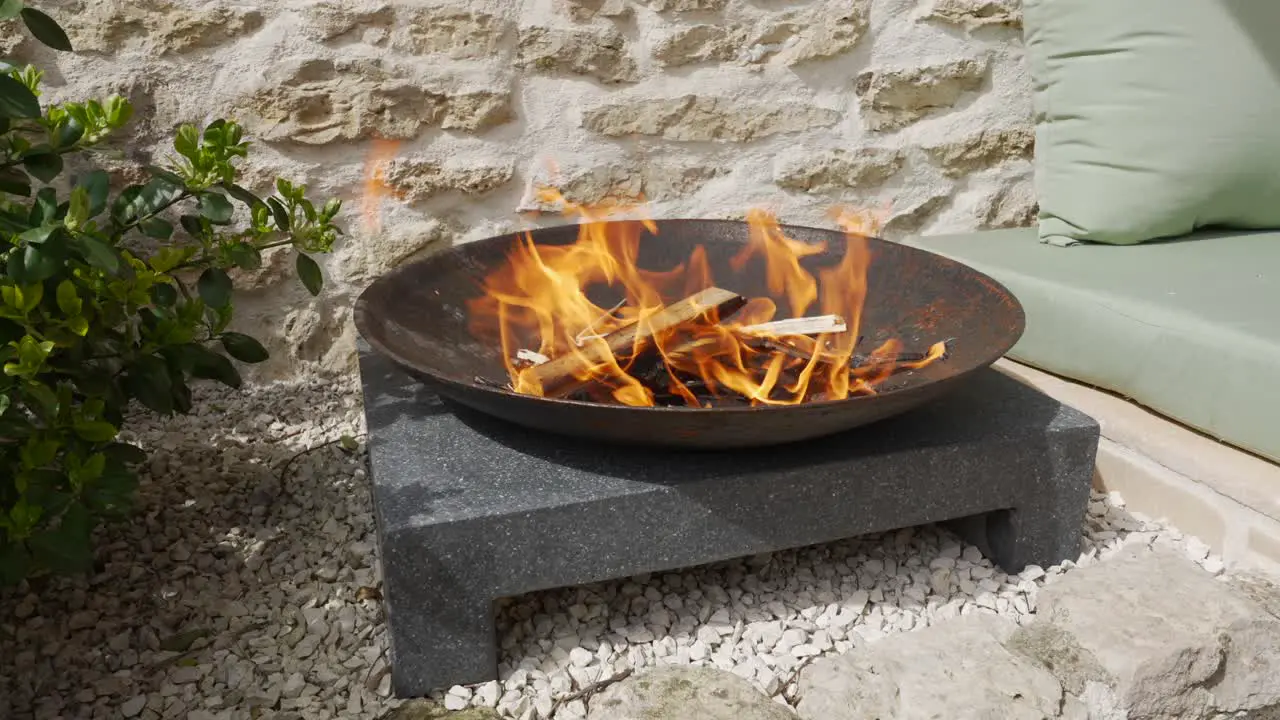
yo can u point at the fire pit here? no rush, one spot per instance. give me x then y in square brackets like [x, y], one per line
[698, 333]
[471, 507]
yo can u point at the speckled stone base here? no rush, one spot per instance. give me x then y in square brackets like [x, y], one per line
[471, 509]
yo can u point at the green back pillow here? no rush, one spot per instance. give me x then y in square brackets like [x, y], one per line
[1154, 117]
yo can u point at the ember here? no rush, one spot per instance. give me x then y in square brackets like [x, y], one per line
[709, 348]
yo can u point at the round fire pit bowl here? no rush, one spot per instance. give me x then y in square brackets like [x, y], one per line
[416, 315]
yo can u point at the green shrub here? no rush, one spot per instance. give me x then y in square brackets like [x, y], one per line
[110, 298]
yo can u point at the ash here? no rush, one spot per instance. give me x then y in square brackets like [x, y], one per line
[246, 587]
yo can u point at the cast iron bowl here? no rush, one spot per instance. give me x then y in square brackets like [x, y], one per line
[416, 315]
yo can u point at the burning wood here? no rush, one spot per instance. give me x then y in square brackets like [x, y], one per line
[798, 326]
[570, 371]
[558, 342]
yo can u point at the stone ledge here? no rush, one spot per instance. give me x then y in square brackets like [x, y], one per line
[1228, 498]
[1139, 636]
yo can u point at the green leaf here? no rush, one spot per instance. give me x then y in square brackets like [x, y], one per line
[45, 208]
[41, 399]
[157, 194]
[9, 9]
[122, 208]
[148, 381]
[279, 213]
[98, 254]
[79, 325]
[309, 273]
[125, 453]
[31, 265]
[43, 166]
[244, 348]
[68, 299]
[246, 256]
[16, 101]
[14, 182]
[191, 223]
[31, 296]
[4, 404]
[46, 29]
[157, 228]
[69, 133]
[95, 431]
[187, 141]
[209, 365]
[214, 287]
[77, 209]
[216, 208]
[171, 177]
[243, 195]
[118, 111]
[181, 395]
[164, 295]
[37, 235]
[98, 185]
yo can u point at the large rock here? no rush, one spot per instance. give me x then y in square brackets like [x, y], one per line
[686, 5]
[891, 97]
[619, 183]
[416, 178]
[329, 20]
[692, 44]
[973, 14]
[684, 693]
[156, 26]
[819, 31]
[584, 10]
[837, 169]
[700, 117]
[316, 101]
[453, 30]
[982, 149]
[1011, 204]
[1170, 640]
[829, 29]
[599, 52]
[384, 248]
[958, 670]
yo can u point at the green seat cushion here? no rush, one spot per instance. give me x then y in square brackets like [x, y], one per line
[1154, 117]
[1190, 328]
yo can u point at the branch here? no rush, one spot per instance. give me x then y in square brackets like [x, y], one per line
[587, 692]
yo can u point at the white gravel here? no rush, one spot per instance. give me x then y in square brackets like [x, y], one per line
[232, 592]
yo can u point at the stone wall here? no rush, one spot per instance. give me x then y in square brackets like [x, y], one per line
[705, 107]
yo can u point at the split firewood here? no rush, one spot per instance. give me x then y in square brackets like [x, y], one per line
[817, 325]
[532, 357]
[559, 376]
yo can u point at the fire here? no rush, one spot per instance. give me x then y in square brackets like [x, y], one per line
[537, 305]
[375, 185]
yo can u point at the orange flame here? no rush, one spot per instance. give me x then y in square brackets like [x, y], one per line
[539, 299]
[375, 184]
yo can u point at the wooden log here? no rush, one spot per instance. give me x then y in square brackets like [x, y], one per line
[558, 377]
[816, 325]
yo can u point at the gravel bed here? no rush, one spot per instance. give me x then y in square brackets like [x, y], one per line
[246, 588]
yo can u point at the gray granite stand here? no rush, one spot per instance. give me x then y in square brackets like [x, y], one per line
[470, 508]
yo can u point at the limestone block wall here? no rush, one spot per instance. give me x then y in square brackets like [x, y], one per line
[704, 107]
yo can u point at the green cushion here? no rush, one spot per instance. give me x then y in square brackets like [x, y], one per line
[1190, 329]
[1154, 117]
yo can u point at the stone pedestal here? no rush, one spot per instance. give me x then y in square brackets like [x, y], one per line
[470, 508]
